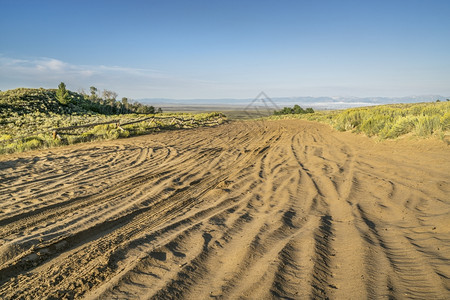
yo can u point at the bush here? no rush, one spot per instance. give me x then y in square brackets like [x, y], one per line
[5, 137]
[427, 125]
[445, 121]
[402, 126]
[373, 125]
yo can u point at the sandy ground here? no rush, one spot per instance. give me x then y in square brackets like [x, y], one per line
[251, 210]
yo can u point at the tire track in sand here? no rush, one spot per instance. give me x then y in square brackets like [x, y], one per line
[281, 209]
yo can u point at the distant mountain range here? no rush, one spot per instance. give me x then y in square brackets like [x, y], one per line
[314, 102]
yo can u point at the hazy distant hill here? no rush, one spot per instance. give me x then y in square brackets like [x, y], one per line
[315, 102]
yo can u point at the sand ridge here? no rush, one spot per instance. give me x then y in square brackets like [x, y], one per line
[254, 210]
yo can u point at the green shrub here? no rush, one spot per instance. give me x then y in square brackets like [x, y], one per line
[124, 134]
[33, 143]
[112, 134]
[373, 125]
[5, 137]
[427, 125]
[445, 121]
[403, 125]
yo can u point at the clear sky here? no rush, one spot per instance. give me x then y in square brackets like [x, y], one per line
[228, 49]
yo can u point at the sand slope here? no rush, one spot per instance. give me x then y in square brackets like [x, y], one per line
[253, 210]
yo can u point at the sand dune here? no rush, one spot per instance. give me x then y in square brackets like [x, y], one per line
[251, 210]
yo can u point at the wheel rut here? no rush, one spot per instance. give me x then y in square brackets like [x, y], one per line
[253, 210]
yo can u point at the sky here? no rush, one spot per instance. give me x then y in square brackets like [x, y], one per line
[228, 49]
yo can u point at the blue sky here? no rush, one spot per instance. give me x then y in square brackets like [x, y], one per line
[228, 49]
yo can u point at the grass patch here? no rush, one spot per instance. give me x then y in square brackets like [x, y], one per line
[31, 132]
[386, 121]
[28, 117]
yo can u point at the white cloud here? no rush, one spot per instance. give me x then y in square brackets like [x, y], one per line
[51, 65]
[130, 82]
[40, 69]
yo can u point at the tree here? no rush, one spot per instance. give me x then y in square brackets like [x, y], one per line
[109, 95]
[62, 94]
[298, 110]
[125, 105]
[284, 111]
[150, 109]
[82, 92]
[159, 110]
[93, 90]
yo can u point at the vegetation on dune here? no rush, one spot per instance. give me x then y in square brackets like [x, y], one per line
[28, 118]
[23, 101]
[387, 121]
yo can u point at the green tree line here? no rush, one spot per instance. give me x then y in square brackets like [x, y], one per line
[294, 110]
[104, 103]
